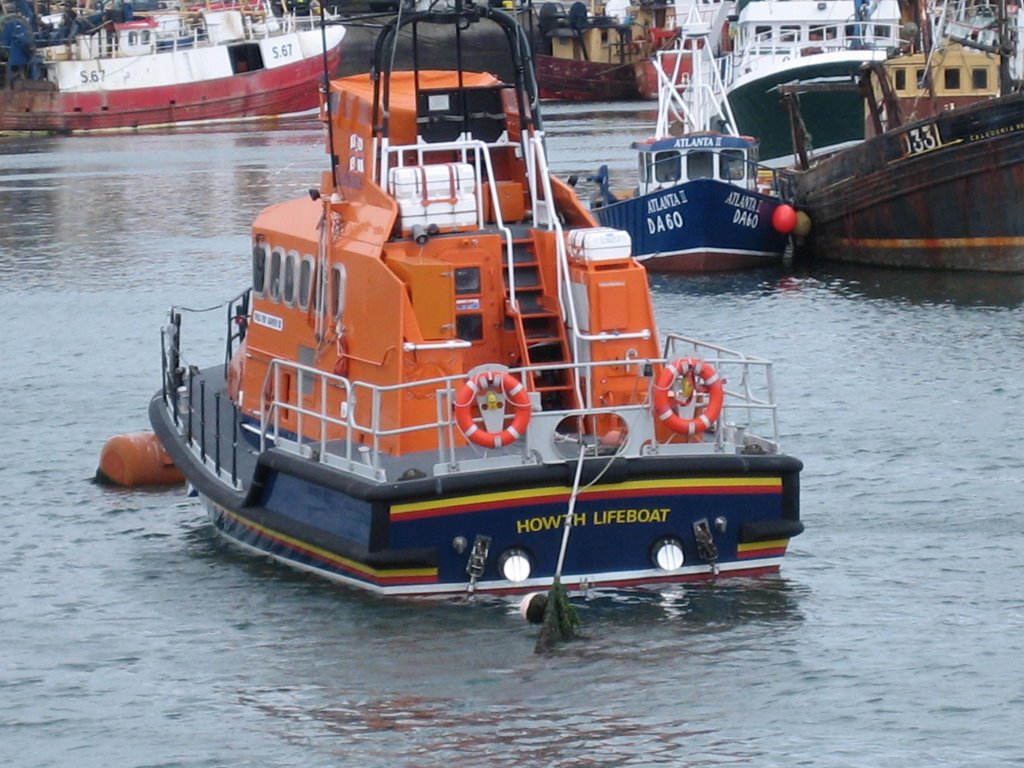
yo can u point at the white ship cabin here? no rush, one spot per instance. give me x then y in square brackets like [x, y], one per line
[171, 30]
[667, 163]
[769, 31]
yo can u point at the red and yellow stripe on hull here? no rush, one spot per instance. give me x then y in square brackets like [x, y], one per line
[320, 558]
[758, 549]
[553, 494]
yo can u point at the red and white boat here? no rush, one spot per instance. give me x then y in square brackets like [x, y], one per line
[116, 69]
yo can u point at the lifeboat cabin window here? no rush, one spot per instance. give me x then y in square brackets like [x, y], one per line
[275, 274]
[337, 291]
[951, 79]
[290, 264]
[979, 79]
[259, 268]
[469, 324]
[305, 281]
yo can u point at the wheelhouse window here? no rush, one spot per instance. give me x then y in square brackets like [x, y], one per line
[305, 281]
[644, 170]
[666, 166]
[900, 79]
[951, 79]
[290, 264]
[700, 165]
[275, 274]
[732, 165]
[979, 79]
[259, 268]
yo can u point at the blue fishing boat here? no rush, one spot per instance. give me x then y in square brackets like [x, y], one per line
[702, 202]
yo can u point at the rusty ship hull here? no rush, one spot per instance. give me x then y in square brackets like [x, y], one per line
[937, 193]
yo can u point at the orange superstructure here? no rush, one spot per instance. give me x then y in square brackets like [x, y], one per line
[390, 288]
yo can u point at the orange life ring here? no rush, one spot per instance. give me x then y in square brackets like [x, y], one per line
[513, 390]
[664, 402]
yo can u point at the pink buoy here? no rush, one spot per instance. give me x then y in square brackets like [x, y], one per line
[784, 219]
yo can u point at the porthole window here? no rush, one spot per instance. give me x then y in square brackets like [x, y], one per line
[290, 264]
[259, 268]
[305, 280]
[275, 275]
[338, 291]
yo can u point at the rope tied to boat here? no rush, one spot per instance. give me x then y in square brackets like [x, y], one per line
[560, 618]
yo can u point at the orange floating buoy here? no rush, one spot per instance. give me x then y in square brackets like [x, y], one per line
[136, 459]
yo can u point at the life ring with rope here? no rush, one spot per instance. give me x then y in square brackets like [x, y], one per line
[665, 401]
[491, 385]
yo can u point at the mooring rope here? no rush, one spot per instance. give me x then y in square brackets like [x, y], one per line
[560, 618]
[572, 508]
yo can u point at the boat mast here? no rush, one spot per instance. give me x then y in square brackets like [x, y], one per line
[1007, 48]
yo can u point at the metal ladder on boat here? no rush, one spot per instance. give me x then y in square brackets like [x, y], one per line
[539, 330]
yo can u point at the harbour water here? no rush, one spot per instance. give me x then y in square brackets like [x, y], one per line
[131, 636]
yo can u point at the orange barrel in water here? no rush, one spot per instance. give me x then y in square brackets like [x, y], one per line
[136, 459]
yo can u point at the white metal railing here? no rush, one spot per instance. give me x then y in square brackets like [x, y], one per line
[319, 434]
[750, 386]
[470, 150]
[570, 315]
[785, 43]
[179, 31]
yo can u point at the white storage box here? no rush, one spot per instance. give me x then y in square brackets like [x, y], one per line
[442, 194]
[600, 244]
